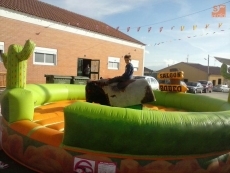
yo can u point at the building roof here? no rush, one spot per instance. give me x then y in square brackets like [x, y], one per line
[212, 69]
[223, 60]
[56, 14]
[148, 70]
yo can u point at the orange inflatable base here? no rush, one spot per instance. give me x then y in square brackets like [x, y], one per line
[46, 158]
[38, 146]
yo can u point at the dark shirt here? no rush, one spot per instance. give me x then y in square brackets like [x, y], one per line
[128, 71]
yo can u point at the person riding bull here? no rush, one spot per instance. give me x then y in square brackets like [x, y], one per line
[127, 75]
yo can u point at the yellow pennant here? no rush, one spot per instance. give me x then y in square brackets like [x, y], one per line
[220, 25]
[194, 27]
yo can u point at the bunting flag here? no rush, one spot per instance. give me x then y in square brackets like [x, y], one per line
[220, 25]
[188, 37]
[149, 29]
[96, 27]
[107, 27]
[182, 28]
[161, 28]
[194, 27]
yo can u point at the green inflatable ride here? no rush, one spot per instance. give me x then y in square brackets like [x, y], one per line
[98, 138]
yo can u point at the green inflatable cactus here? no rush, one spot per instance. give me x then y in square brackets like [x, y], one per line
[16, 101]
[15, 61]
[225, 74]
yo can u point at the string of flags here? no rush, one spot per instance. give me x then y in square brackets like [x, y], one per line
[182, 28]
[188, 37]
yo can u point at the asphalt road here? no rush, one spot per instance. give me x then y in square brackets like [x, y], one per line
[219, 95]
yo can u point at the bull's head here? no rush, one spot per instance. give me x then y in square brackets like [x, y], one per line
[95, 93]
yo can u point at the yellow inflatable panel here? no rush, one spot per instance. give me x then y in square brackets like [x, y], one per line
[171, 75]
[173, 88]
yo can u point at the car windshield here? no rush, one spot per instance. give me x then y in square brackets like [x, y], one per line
[191, 83]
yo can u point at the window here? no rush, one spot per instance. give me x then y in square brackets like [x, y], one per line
[219, 81]
[113, 63]
[1, 50]
[135, 64]
[45, 56]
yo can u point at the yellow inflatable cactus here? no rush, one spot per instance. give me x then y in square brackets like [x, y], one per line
[15, 61]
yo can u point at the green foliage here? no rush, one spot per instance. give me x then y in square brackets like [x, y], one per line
[225, 74]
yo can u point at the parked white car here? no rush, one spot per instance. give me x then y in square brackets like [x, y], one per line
[151, 80]
[221, 88]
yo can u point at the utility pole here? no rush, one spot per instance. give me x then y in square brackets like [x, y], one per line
[208, 65]
[187, 58]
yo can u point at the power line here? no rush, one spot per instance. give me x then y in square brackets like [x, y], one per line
[179, 17]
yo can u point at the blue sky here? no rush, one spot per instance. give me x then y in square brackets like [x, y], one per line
[171, 45]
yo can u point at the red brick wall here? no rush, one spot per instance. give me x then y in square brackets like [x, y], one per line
[70, 47]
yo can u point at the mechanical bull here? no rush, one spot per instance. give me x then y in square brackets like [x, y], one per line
[130, 93]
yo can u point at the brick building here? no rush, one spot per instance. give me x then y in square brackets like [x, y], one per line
[65, 41]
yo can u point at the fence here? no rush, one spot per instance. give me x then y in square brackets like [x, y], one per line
[2, 79]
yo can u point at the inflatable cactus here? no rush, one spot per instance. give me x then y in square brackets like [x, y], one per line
[225, 74]
[15, 61]
[16, 101]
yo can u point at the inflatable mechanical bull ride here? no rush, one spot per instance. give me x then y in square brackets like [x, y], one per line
[123, 94]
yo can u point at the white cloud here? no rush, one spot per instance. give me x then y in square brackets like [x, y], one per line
[169, 62]
[99, 9]
[184, 7]
[147, 52]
